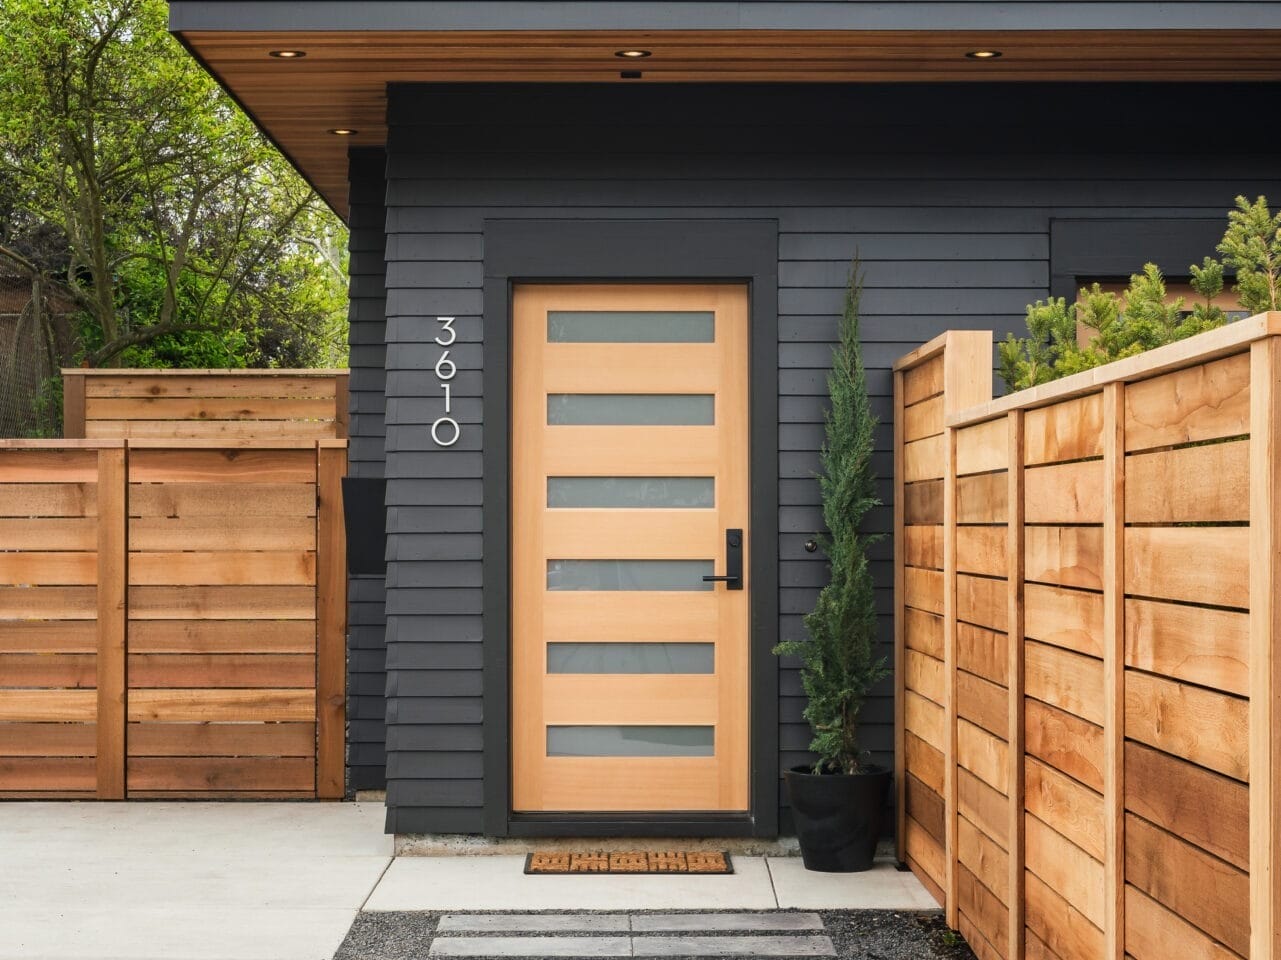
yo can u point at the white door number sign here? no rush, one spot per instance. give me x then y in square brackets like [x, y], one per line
[445, 430]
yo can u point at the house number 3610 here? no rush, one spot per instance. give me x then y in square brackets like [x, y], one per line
[445, 431]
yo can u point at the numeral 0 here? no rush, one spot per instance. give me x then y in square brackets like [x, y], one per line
[449, 424]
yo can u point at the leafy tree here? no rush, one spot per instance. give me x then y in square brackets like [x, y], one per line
[183, 235]
[838, 665]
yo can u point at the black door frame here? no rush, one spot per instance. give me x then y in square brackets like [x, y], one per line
[631, 251]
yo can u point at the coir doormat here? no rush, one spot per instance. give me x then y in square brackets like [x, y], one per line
[632, 862]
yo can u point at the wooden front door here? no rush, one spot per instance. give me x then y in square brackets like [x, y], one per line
[630, 486]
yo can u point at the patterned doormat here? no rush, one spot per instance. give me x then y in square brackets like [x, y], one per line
[632, 862]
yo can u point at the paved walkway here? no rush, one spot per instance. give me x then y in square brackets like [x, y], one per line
[284, 881]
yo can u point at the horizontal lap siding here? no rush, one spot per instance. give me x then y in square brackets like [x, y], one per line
[949, 239]
[366, 642]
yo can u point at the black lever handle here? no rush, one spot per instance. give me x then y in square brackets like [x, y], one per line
[733, 576]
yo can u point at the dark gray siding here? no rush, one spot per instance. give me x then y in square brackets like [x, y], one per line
[946, 193]
[366, 649]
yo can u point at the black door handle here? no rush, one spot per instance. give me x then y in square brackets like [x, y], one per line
[733, 576]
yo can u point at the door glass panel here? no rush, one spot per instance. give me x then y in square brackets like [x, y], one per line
[631, 492]
[630, 409]
[631, 326]
[630, 741]
[630, 657]
[628, 574]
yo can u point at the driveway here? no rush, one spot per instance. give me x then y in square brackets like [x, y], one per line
[185, 881]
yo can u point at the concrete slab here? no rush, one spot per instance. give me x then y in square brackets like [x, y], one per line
[75, 931]
[884, 887]
[499, 883]
[185, 881]
[733, 947]
[705, 922]
[531, 947]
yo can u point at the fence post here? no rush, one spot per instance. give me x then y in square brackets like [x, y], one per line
[900, 734]
[73, 404]
[1114, 670]
[1014, 564]
[113, 488]
[331, 620]
[949, 667]
[967, 382]
[1265, 670]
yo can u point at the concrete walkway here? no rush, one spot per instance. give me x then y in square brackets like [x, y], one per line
[185, 881]
[284, 881]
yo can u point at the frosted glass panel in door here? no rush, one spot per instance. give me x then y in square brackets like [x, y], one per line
[628, 574]
[630, 409]
[631, 326]
[626, 493]
[630, 741]
[625, 657]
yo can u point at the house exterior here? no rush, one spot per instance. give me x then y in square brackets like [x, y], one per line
[598, 252]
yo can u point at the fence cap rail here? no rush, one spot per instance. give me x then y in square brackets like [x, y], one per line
[233, 443]
[160, 444]
[225, 372]
[56, 444]
[1211, 345]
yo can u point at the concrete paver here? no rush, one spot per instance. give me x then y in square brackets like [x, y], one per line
[533, 923]
[531, 947]
[775, 946]
[698, 922]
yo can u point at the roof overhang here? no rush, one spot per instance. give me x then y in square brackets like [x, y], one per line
[355, 49]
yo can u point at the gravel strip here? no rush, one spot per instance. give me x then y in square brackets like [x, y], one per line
[857, 935]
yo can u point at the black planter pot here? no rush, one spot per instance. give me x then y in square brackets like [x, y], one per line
[838, 817]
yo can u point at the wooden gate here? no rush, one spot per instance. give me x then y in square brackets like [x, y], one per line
[172, 618]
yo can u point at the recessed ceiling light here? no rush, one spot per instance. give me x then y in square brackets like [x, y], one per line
[632, 54]
[983, 54]
[343, 131]
[287, 54]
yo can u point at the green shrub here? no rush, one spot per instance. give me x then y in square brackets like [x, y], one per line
[1141, 319]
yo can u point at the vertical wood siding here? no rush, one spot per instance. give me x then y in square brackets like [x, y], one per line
[947, 195]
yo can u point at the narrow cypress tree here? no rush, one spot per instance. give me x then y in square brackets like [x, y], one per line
[838, 665]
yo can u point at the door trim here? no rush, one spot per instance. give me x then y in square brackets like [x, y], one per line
[630, 251]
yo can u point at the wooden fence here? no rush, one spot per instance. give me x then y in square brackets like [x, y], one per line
[204, 404]
[1088, 605]
[172, 618]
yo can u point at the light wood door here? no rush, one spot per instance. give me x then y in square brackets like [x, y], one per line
[629, 466]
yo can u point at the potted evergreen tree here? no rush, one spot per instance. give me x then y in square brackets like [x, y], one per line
[837, 803]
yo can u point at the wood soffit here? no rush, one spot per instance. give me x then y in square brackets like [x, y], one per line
[342, 81]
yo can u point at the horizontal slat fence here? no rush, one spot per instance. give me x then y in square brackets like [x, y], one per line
[168, 621]
[204, 404]
[1086, 637]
